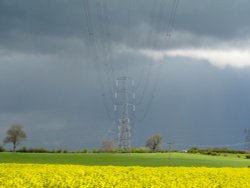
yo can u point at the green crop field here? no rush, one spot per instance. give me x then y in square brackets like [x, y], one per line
[134, 159]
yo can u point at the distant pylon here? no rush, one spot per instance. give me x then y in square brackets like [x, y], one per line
[124, 97]
[247, 139]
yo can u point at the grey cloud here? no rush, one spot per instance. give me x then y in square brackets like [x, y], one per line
[44, 24]
[201, 103]
[222, 19]
[49, 77]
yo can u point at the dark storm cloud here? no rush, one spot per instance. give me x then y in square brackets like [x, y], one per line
[200, 103]
[49, 80]
[57, 18]
[42, 25]
[220, 19]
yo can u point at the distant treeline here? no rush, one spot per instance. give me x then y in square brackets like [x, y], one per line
[216, 151]
[85, 150]
[210, 151]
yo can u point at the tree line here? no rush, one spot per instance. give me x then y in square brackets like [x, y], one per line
[15, 135]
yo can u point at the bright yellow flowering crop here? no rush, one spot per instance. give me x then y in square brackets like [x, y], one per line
[33, 175]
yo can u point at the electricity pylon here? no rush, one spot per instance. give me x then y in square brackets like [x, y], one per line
[124, 97]
[247, 139]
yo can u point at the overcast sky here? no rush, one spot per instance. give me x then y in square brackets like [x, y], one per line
[59, 59]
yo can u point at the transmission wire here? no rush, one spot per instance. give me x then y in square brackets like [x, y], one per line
[103, 49]
[158, 17]
[92, 44]
[171, 26]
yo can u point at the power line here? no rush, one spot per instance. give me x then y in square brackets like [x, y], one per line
[103, 43]
[108, 34]
[92, 44]
[103, 56]
[129, 3]
[157, 18]
[170, 28]
[146, 68]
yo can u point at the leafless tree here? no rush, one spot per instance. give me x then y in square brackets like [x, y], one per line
[154, 142]
[15, 135]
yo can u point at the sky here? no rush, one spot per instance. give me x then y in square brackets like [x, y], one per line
[59, 60]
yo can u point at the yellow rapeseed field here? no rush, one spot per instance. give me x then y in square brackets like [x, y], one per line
[34, 175]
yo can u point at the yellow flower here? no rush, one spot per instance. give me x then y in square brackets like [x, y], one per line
[34, 175]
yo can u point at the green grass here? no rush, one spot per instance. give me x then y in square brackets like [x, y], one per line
[135, 159]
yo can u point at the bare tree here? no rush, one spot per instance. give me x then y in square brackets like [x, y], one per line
[15, 135]
[107, 146]
[154, 142]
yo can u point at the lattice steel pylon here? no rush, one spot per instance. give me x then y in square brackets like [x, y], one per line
[247, 139]
[124, 106]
